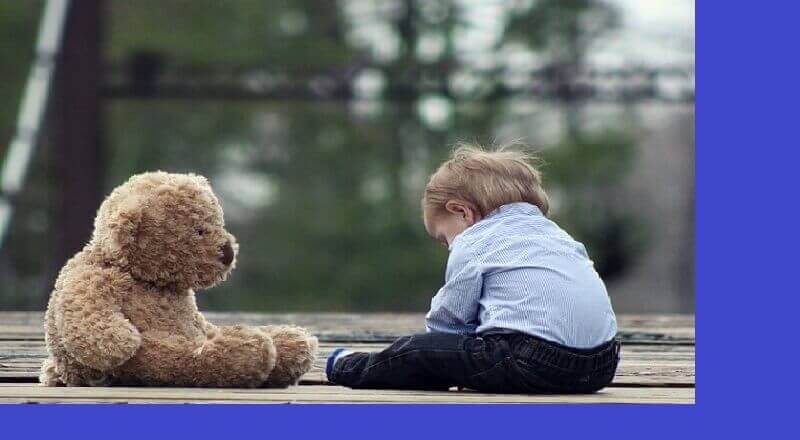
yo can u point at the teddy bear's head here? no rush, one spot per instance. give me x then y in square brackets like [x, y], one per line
[166, 229]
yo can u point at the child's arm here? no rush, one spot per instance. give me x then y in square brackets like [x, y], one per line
[454, 309]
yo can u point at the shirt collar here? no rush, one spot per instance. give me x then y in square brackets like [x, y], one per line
[515, 208]
[524, 208]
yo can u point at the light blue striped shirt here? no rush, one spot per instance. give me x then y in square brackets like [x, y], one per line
[515, 270]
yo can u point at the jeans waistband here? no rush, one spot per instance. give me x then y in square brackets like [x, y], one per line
[537, 350]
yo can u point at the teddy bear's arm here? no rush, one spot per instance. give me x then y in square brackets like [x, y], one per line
[94, 329]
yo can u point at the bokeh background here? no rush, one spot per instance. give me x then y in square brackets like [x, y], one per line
[318, 122]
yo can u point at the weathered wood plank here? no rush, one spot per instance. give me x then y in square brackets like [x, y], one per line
[378, 326]
[627, 375]
[326, 393]
[658, 363]
[16, 358]
[367, 320]
[643, 365]
[658, 351]
[37, 348]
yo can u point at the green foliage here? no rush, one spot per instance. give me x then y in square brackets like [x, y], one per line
[613, 234]
[605, 158]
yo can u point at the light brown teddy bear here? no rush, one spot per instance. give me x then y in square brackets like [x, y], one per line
[123, 310]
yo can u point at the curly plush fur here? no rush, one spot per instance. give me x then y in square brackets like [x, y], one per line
[123, 310]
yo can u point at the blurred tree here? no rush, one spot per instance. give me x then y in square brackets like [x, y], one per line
[324, 196]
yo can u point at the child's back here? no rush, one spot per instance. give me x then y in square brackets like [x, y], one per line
[525, 274]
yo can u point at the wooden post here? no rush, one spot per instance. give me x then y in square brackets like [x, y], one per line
[77, 130]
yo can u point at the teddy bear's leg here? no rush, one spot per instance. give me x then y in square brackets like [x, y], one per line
[296, 351]
[244, 355]
[229, 357]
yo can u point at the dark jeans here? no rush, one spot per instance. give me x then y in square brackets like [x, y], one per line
[498, 363]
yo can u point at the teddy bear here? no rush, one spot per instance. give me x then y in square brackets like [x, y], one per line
[123, 309]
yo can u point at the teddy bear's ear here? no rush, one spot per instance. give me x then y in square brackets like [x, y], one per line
[202, 180]
[123, 226]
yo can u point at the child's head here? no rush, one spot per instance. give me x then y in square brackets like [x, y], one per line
[473, 183]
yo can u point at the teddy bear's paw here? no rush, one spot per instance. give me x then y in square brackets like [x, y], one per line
[296, 351]
[73, 374]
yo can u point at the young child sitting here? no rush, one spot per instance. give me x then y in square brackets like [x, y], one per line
[522, 309]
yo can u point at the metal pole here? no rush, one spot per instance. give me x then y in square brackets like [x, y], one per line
[34, 102]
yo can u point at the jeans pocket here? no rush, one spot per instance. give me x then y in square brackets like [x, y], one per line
[495, 379]
[481, 355]
[538, 379]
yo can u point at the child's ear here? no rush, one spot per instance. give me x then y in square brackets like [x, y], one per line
[465, 210]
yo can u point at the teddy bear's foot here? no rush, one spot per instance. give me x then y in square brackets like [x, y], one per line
[296, 351]
[66, 372]
[49, 376]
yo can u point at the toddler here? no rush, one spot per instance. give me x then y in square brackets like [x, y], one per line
[522, 309]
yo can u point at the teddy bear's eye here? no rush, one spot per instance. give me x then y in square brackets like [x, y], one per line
[200, 232]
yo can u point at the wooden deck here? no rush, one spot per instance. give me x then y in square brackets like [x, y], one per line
[658, 364]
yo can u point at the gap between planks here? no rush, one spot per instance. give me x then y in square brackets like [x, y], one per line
[328, 393]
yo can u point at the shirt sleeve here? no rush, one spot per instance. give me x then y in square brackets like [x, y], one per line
[454, 309]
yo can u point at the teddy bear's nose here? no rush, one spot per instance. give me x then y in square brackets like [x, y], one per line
[227, 253]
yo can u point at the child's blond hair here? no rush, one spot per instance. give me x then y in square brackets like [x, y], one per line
[486, 179]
